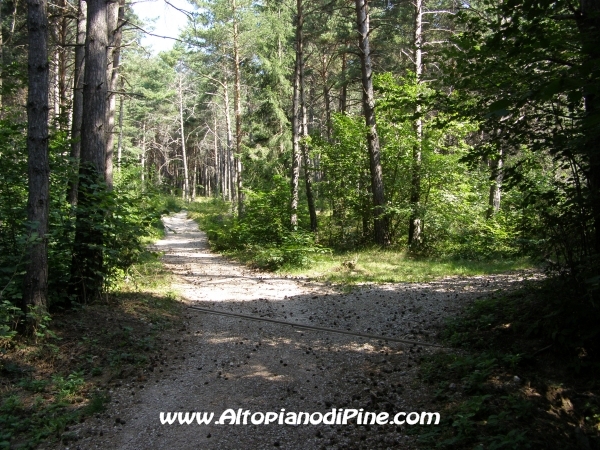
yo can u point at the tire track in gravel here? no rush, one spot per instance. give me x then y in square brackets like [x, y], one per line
[216, 362]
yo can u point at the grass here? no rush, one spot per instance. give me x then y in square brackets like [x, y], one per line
[368, 265]
[388, 266]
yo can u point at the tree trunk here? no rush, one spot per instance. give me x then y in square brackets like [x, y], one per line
[143, 156]
[296, 115]
[120, 141]
[497, 175]
[217, 182]
[326, 99]
[414, 225]
[35, 290]
[78, 74]
[194, 177]
[116, 14]
[87, 269]
[303, 147]
[344, 89]
[62, 66]
[312, 211]
[230, 163]
[381, 227]
[238, 113]
[186, 180]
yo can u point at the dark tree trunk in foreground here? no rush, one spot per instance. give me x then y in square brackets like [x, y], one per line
[78, 72]
[381, 226]
[87, 268]
[36, 279]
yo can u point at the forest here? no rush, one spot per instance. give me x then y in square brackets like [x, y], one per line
[295, 131]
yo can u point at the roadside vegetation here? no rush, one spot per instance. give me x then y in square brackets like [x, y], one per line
[262, 240]
[60, 373]
[521, 368]
[520, 372]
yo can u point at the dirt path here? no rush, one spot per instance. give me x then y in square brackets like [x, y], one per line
[213, 363]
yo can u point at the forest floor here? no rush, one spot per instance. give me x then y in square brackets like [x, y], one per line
[212, 363]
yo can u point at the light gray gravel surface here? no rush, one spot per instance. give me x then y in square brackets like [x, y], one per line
[212, 363]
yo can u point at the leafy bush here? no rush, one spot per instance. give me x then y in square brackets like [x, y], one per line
[263, 235]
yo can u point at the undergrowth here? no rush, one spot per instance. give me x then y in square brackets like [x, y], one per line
[61, 376]
[262, 239]
[521, 373]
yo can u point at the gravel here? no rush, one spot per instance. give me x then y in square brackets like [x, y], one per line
[212, 363]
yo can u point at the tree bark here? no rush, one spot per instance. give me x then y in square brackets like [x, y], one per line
[78, 74]
[312, 211]
[414, 225]
[217, 183]
[186, 179]
[305, 158]
[381, 226]
[63, 29]
[87, 269]
[120, 141]
[497, 176]
[344, 88]
[230, 159]
[116, 15]
[238, 112]
[143, 155]
[35, 292]
[296, 116]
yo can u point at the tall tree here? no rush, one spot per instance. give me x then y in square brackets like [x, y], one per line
[180, 102]
[116, 15]
[237, 104]
[87, 265]
[297, 110]
[36, 278]
[414, 226]
[77, 112]
[381, 222]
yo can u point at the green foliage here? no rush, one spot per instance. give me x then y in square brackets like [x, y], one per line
[263, 235]
[9, 319]
[525, 79]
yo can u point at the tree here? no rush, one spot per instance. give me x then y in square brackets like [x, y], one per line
[87, 267]
[78, 74]
[36, 279]
[414, 225]
[381, 225]
[297, 112]
[115, 20]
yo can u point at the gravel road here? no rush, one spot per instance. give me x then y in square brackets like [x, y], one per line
[213, 363]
